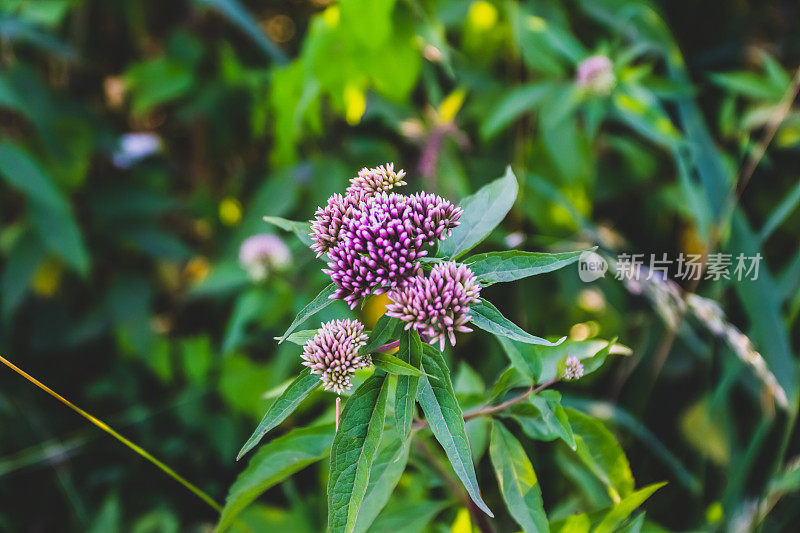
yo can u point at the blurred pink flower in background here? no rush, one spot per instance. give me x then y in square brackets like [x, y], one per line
[596, 74]
[261, 254]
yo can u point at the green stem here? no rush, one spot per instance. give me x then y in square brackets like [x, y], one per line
[108, 429]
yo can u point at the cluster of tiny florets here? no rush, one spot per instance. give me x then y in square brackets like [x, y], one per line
[328, 220]
[261, 254]
[376, 180]
[333, 353]
[437, 306]
[380, 244]
[573, 368]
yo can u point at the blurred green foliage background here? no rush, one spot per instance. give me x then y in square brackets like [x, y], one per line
[141, 142]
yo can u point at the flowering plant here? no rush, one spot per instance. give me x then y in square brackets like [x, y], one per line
[412, 248]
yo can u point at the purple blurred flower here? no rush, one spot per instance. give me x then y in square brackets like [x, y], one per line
[379, 245]
[263, 253]
[333, 353]
[573, 368]
[134, 147]
[596, 73]
[438, 305]
[371, 181]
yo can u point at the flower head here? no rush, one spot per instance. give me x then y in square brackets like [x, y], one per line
[328, 220]
[263, 253]
[375, 180]
[379, 246]
[596, 73]
[438, 305]
[333, 353]
[573, 368]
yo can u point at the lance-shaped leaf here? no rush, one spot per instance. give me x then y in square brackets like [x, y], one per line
[487, 317]
[511, 378]
[50, 211]
[273, 463]
[322, 300]
[609, 519]
[302, 337]
[386, 471]
[406, 390]
[526, 361]
[517, 480]
[543, 417]
[380, 335]
[301, 229]
[353, 452]
[619, 512]
[510, 265]
[483, 211]
[282, 407]
[393, 365]
[601, 453]
[446, 420]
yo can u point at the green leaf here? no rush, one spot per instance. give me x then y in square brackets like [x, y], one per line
[301, 229]
[592, 354]
[777, 76]
[762, 304]
[410, 517]
[514, 104]
[385, 473]
[406, 391]
[497, 267]
[59, 231]
[380, 335]
[488, 318]
[446, 420]
[561, 137]
[483, 211]
[524, 360]
[641, 110]
[608, 519]
[605, 411]
[517, 480]
[353, 452]
[51, 214]
[273, 463]
[601, 453]
[511, 378]
[623, 509]
[302, 337]
[542, 417]
[282, 407]
[322, 300]
[785, 208]
[393, 365]
[23, 173]
[21, 263]
[748, 84]
[158, 81]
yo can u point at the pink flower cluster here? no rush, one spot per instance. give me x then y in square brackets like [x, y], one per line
[328, 220]
[436, 306]
[374, 239]
[333, 353]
